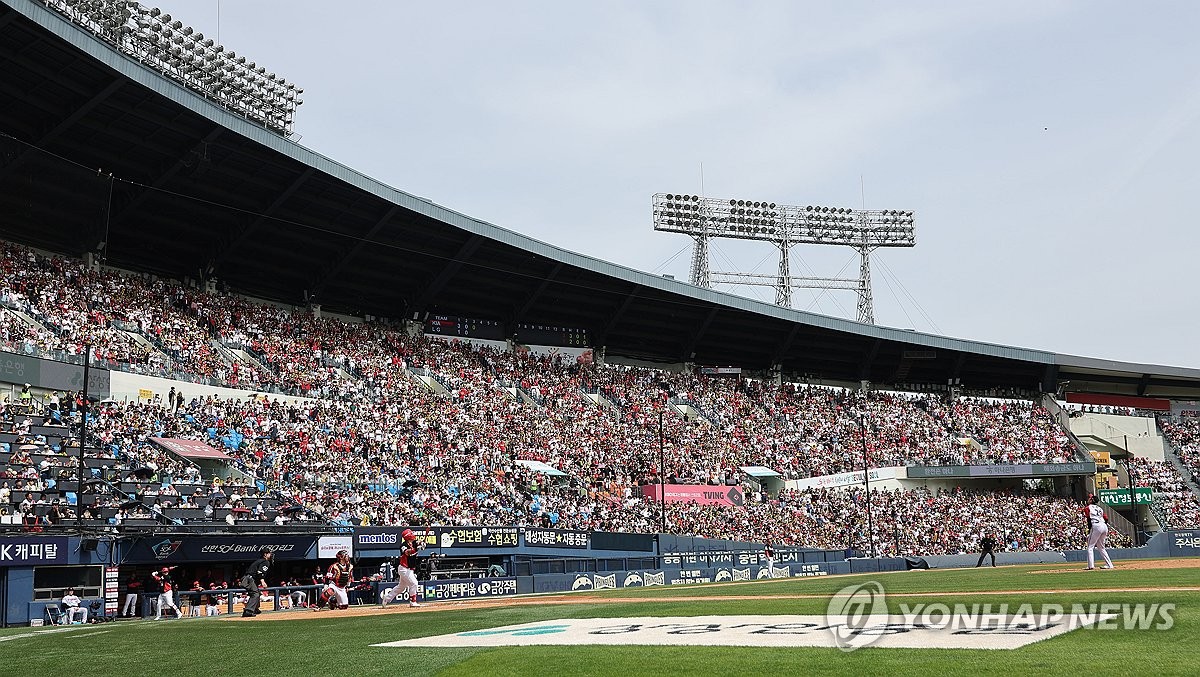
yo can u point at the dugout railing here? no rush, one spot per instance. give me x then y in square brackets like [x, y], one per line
[280, 598]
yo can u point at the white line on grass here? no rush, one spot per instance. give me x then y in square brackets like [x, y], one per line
[89, 634]
[35, 633]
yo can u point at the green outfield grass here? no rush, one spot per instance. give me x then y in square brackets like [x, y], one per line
[310, 644]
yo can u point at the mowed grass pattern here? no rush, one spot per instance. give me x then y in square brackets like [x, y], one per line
[311, 644]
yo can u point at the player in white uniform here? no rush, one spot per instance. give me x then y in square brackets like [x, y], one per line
[1098, 525]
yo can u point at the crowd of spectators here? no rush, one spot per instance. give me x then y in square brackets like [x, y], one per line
[1184, 434]
[329, 457]
[1180, 506]
[379, 442]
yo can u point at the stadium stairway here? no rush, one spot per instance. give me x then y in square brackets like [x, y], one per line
[249, 359]
[142, 339]
[691, 411]
[23, 318]
[530, 397]
[235, 357]
[1064, 422]
[428, 379]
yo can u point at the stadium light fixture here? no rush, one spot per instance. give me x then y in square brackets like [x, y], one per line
[164, 43]
[784, 226]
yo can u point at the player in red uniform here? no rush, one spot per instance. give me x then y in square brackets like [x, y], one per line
[406, 572]
[338, 577]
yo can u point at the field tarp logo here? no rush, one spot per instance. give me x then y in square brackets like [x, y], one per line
[741, 574]
[608, 582]
[656, 578]
[859, 605]
[853, 611]
[634, 579]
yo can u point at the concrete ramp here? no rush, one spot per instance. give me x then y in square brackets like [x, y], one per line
[1117, 434]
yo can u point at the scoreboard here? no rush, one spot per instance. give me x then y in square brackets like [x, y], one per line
[549, 335]
[464, 327]
[494, 330]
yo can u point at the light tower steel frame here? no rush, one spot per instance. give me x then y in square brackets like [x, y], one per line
[784, 226]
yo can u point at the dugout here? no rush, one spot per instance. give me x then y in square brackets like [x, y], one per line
[36, 569]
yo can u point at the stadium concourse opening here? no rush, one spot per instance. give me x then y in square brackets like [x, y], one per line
[362, 361]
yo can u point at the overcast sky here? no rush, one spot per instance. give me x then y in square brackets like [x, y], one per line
[1048, 149]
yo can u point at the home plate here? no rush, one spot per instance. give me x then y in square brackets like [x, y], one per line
[1005, 632]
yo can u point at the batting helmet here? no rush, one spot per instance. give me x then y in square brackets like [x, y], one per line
[408, 535]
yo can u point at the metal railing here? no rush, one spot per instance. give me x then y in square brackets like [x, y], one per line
[235, 598]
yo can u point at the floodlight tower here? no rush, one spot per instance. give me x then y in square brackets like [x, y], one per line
[784, 226]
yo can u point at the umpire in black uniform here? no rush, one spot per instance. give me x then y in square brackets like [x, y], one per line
[256, 574]
[988, 545]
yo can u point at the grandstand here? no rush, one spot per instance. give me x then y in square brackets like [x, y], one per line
[279, 345]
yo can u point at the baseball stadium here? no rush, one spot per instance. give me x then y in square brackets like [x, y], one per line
[264, 414]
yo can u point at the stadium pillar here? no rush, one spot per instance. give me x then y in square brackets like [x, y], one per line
[662, 473]
[862, 427]
[1137, 536]
[87, 363]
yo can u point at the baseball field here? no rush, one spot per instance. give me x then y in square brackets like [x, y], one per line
[1141, 618]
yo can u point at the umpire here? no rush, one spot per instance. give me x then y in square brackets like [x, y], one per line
[988, 545]
[255, 575]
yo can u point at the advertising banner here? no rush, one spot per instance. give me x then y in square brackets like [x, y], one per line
[388, 538]
[1120, 497]
[477, 537]
[843, 479]
[682, 576]
[1013, 470]
[176, 548]
[23, 551]
[52, 375]
[110, 590]
[702, 494]
[189, 448]
[1184, 543]
[328, 546]
[555, 538]
[468, 588]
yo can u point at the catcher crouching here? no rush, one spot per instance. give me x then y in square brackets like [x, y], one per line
[338, 578]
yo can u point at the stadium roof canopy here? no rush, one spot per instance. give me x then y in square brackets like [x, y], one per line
[205, 193]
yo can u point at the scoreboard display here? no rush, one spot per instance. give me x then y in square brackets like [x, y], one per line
[548, 335]
[464, 327]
